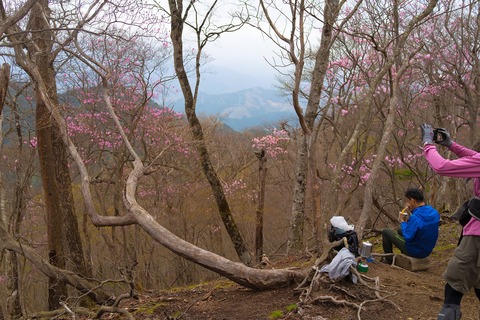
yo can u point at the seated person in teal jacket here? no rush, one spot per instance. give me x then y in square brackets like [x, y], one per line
[418, 233]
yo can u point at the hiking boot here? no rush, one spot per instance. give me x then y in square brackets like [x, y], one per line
[387, 260]
[450, 312]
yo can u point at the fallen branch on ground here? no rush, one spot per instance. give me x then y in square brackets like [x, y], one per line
[336, 301]
[128, 276]
[60, 312]
[316, 266]
[312, 282]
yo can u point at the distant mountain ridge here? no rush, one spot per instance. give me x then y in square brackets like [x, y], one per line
[247, 108]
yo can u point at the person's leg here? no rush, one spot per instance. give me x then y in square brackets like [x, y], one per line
[401, 244]
[451, 306]
[392, 238]
[452, 296]
[461, 275]
[386, 242]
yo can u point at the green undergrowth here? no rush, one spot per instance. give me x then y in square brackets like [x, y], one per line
[279, 313]
[276, 314]
[150, 309]
[441, 249]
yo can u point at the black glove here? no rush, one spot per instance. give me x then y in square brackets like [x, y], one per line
[427, 134]
[443, 137]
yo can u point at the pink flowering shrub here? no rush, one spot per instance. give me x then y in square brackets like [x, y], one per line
[273, 144]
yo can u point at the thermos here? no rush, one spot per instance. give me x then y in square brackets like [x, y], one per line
[366, 249]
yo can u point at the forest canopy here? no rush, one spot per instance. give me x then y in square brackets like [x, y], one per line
[105, 190]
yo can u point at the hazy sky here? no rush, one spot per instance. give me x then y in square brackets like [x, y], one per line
[244, 51]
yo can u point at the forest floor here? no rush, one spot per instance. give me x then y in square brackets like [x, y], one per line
[418, 295]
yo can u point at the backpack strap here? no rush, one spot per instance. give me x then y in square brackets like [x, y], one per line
[474, 207]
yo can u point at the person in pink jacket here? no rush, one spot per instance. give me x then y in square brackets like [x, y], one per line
[463, 269]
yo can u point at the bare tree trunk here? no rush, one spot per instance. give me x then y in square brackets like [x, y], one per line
[70, 230]
[177, 24]
[296, 52]
[37, 22]
[56, 290]
[369, 187]
[13, 302]
[64, 243]
[4, 81]
[331, 11]
[258, 279]
[295, 232]
[262, 175]
[24, 173]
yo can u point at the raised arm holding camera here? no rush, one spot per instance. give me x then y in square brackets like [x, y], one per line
[463, 269]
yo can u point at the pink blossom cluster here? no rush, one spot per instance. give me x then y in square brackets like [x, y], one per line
[155, 128]
[273, 144]
[33, 142]
[234, 186]
[363, 171]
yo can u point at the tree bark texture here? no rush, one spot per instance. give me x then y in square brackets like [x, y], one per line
[4, 81]
[295, 232]
[322, 58]
[13, 303]
[257, 279]
[393, 105]
[262, 176]
[238, 241]
[64, 243]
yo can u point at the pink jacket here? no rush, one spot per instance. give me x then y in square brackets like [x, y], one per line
[466, 166]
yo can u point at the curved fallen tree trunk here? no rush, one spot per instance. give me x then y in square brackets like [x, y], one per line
[258, 279]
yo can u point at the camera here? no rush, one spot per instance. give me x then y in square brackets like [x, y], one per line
[438, 135]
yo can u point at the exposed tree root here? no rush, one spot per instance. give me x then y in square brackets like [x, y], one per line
[106, 309]
[313, 281]
[318, 263]
[335, 301]
[128, 276]
[59, 312]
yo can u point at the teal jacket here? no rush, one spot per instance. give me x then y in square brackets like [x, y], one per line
[421, 231]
